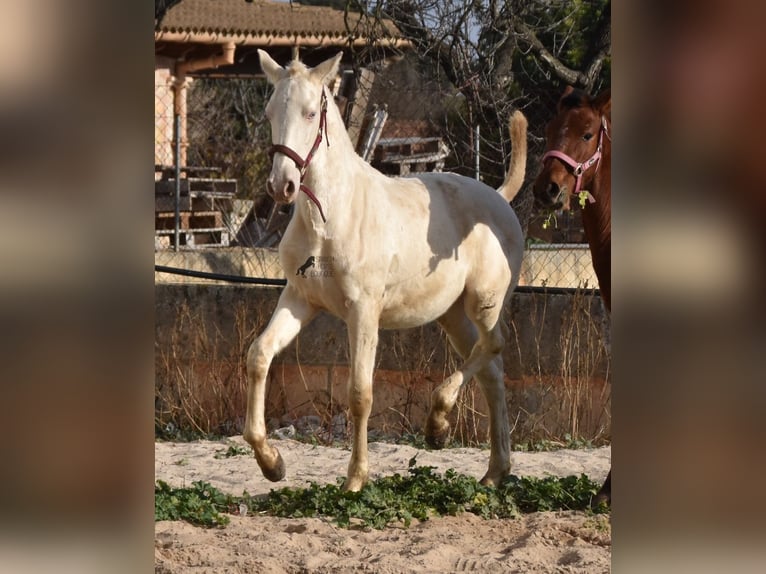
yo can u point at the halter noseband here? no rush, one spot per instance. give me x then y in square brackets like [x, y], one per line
[303, 164]
[578, 169]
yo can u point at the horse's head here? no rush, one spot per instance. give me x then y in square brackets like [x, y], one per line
[574, 141]
[297, 113]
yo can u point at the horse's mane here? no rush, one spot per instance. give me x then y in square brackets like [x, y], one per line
[296, 67]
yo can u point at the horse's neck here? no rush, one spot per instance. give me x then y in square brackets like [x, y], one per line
[332, 174]
[597, 224]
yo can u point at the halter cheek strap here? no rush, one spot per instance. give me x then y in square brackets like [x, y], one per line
[303, 164]
[578, 169]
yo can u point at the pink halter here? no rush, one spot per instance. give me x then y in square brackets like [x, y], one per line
[578, 169]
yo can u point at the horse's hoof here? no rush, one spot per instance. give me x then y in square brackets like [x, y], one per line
[276, 472]
[436, 442]
[492, 480]
[353, 485]
[437, 439]
[601, 501]
[487, 481]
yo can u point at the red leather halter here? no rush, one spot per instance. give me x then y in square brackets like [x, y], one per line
[578, 169]
[303, 164]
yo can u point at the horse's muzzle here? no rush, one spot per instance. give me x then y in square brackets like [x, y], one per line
[550, 194]
[284, 193]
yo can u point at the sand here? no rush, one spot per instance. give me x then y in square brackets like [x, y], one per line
[566, 542]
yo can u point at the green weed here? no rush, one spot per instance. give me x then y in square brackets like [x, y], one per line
[201, 504]
[233, 450]
[395, 499]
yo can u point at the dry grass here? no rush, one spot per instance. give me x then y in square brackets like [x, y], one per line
[573, 402]
[200, 386]
[201, 381]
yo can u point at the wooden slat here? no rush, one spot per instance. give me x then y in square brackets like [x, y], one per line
[168, 203]
[218, 187]
[189, 220]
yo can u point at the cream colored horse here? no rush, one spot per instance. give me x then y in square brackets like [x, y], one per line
[383, 252]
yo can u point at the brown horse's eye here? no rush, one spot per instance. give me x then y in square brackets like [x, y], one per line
[587, 136]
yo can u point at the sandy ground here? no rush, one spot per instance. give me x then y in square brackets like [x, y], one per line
[565, 542]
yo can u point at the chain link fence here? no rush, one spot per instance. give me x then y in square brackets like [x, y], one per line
[211, 207]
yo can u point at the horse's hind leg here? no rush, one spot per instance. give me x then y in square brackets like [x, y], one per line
[486, 363]
[291, 314]
[462, 336]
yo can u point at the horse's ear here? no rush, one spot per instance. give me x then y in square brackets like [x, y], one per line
[274, 72]
[568, 90]
[327, 70]
[603, 102]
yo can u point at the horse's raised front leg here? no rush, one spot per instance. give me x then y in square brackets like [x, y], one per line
[291, 314]
[363, 342]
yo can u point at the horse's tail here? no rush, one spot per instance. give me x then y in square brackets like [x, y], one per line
[514, 178]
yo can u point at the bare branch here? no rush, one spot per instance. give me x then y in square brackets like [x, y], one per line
[594, 60]
[527, 35]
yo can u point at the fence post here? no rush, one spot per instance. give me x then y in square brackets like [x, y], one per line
[177, 150]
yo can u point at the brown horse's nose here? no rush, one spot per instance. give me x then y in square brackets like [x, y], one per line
[547, 192]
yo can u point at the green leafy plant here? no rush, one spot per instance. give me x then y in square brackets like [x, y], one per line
[544, 445]
[550, 493]
[550, 220]
[233, 450]
[201, 504]
[423, 494]
[395, 499]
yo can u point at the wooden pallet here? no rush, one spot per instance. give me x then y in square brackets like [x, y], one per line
[188, 220]
[400, 156]
[193, 203]
[202, 203]
[213, 237]
[197, 186]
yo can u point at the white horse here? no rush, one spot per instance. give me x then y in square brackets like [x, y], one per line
[383, 252]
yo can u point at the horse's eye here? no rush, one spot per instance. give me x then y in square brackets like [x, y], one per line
[587, 136]
[311, 115]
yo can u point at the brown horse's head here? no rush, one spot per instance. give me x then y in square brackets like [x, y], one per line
[572, 155]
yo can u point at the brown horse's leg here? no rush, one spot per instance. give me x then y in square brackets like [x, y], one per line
[604, 495]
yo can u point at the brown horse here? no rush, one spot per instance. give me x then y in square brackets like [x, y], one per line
[578, 162]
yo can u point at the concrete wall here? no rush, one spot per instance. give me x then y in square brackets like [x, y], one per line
[556, 362]
[263, 263]
[556, 265]
[549, 265]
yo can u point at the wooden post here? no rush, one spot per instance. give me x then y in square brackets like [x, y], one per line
[358, 104]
